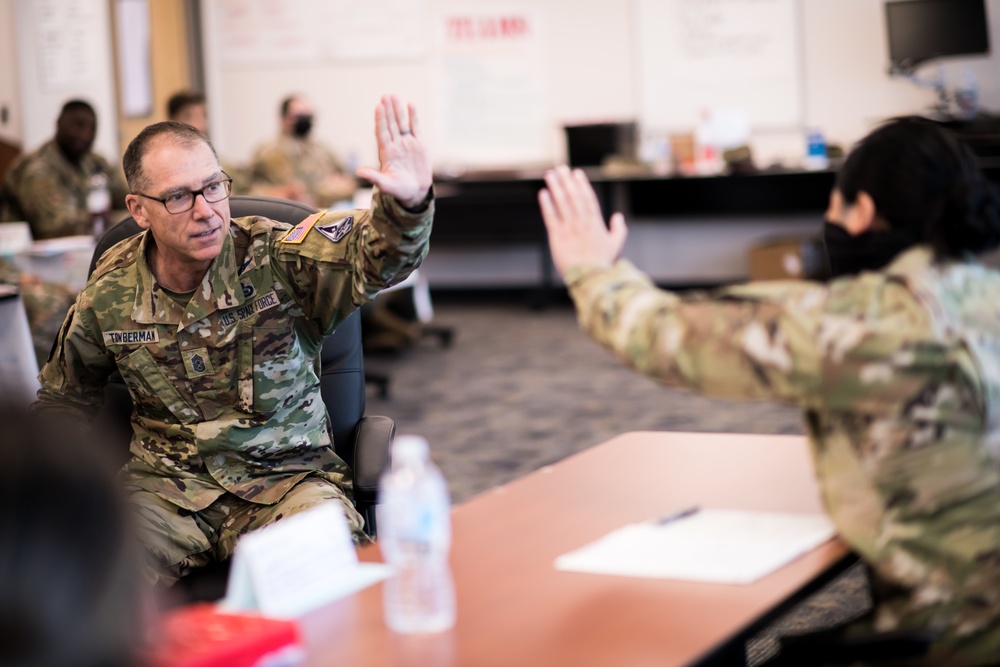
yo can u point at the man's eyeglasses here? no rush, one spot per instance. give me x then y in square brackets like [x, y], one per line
[179, 202]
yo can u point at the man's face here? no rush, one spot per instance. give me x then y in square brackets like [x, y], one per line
[194, 115]
[186, 242]
[297, 109]
[75, 132]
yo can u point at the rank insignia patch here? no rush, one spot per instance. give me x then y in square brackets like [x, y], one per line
[197, 363]
[297, 234]
[335, 231]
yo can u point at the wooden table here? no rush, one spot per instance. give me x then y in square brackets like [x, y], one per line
[516, 610]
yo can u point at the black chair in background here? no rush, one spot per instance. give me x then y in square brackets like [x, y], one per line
[363, 442]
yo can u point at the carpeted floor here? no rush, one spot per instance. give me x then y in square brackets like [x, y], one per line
[521, 388]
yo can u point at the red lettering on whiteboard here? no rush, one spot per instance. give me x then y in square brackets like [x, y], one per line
[486, 28]
[460, 28]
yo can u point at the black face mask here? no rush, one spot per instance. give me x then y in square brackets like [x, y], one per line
[302, 127]
[869, 251]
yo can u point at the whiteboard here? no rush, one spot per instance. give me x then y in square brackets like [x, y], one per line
[308, 32]
[489, 85]
[698, 55]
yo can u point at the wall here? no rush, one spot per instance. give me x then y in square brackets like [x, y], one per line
[169, 54]
[10, 97]
[590, 69]
[89, 39]
[587, 64]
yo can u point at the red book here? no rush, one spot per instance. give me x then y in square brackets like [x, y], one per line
[202, 636]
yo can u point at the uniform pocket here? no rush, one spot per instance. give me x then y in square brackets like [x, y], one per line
[150, 388]
[270, 352]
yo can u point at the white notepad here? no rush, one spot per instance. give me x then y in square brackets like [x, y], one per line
[720, 546]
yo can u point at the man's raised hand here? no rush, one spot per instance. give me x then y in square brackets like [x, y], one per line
[405, 171]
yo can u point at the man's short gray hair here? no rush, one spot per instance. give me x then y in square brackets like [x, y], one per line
[181, 133]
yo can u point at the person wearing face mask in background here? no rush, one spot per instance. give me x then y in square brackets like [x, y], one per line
[295, 166]
[895, 363]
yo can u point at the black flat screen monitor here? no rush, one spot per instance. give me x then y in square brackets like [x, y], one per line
[591, 145]
[920, 30]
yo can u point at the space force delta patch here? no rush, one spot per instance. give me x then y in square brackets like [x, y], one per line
[139, 337]
[335, 231]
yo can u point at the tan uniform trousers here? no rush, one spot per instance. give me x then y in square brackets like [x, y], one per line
[178, 541]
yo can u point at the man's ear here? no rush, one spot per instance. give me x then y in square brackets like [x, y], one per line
[135, 208]
[860, 216]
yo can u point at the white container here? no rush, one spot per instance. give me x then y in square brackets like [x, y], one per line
[415, 537]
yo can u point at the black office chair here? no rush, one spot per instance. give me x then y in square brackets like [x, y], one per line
[363, 442]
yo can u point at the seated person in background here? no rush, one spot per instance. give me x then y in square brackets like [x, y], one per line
[45, 305]
[189, 106]
[897, 368]
[64, 188]
[70, 586]
[305, 169]
[215, 325]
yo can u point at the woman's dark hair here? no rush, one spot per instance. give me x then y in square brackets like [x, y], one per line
[70, 592]
[926, 183]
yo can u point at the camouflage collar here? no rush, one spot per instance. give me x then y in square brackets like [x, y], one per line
[914, 260]
[920, 258]
[220, 289]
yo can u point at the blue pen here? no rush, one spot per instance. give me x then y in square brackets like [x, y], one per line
[677, 516]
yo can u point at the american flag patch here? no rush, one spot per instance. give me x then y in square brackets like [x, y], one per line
[297, 234]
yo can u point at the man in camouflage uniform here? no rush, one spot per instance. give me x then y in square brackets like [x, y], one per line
[45, 305]
[307, 170]
[899, 375]
[64, 188]
[215, 325]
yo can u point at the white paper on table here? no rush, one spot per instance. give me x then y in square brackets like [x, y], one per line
[298, 564]
[720, 546]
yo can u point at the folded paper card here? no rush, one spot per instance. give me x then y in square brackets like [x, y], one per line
[721, 546]
[298, 564]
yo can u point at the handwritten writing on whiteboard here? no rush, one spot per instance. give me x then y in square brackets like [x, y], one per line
[489, 86]
[66, 56]
[695, 55]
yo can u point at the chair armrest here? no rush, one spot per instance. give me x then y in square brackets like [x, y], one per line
[371, 455]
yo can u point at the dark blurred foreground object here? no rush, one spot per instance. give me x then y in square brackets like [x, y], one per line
[204, 636]
[70, 593]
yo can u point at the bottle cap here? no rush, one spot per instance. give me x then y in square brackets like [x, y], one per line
[410, 448]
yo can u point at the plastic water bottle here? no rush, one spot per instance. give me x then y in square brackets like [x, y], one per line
[816, 158]
[415, 536]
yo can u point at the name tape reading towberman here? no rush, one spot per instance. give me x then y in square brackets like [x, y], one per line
[141, 336]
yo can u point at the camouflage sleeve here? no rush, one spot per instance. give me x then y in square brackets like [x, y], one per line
[242, 179]
[74, 377]
[328, 191]
[53, 211]
[753, 341]
[344, 258]
[271, 167]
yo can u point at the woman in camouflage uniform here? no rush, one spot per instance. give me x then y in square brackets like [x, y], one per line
[897, 368]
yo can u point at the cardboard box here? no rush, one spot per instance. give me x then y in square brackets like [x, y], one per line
[788, 258]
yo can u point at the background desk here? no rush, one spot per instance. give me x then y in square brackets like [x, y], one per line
[514, 608]
[500, 212]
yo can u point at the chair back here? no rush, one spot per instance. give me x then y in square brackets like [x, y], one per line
[342, 375]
